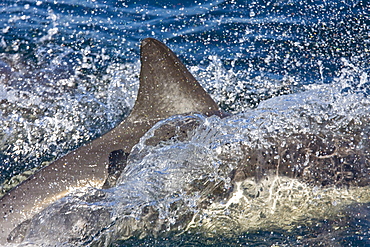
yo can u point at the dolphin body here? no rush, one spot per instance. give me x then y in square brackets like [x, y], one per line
[167, 88]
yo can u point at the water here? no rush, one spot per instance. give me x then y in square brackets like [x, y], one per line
[285, 69]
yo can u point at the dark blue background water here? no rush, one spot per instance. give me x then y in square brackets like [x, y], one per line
[270, 48]
[278, 37]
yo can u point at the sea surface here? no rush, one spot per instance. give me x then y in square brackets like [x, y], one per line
[69, 72]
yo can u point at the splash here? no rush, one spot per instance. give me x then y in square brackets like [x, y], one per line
[44, 114]
[288, 164]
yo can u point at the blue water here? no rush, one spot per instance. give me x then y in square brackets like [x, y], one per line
[69, 72]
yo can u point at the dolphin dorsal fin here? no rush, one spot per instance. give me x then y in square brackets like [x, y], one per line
[167, 88]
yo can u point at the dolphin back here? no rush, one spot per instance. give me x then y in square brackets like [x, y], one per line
[167, 88]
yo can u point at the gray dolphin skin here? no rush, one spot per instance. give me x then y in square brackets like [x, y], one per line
[167, 88]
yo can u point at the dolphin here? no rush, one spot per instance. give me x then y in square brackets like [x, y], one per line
[322, 158]
[167, 88]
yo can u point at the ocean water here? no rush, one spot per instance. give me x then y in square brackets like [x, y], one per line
[292, 73]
